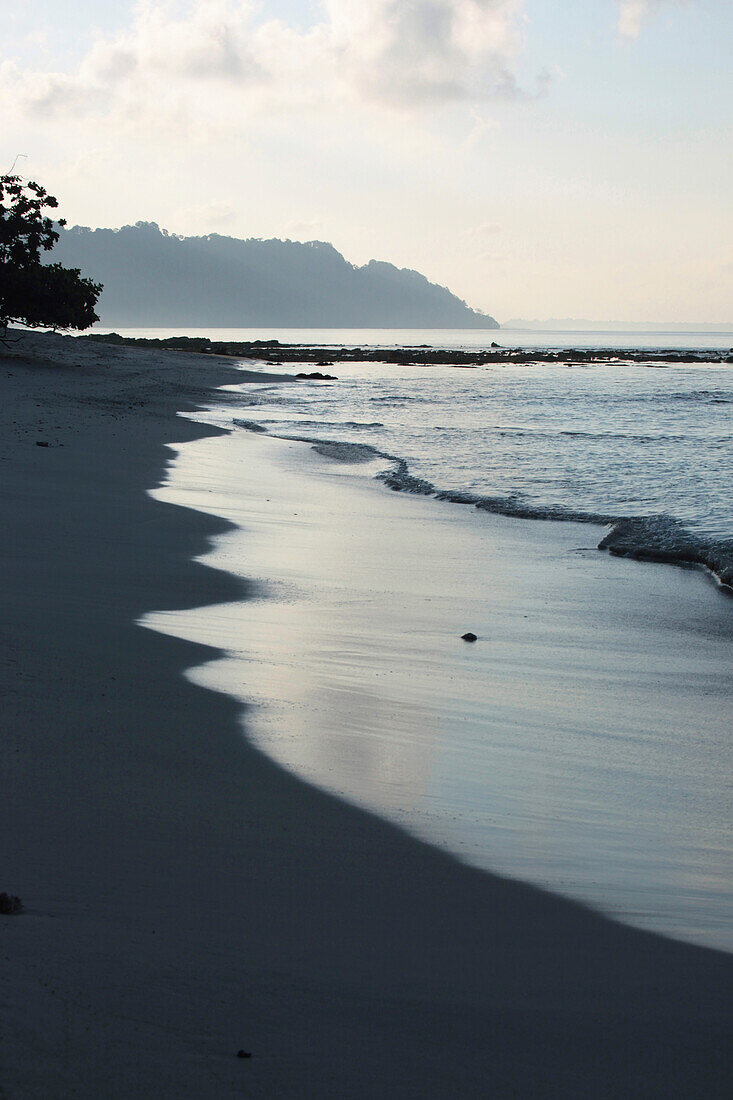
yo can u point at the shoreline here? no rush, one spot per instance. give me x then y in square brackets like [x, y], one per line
[350, 664]
[185, 898]
[656, 537]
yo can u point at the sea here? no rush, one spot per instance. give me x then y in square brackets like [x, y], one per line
[639, 451]
[644, 447]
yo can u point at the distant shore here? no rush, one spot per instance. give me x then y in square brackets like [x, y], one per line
[185, 899]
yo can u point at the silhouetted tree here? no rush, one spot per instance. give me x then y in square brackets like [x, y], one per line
[33, 293]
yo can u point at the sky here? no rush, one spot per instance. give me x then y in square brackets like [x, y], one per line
[542, 158]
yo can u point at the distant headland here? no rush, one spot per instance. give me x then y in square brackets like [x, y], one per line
[157, 279]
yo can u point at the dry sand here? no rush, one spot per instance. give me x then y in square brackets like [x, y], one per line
[185, 898]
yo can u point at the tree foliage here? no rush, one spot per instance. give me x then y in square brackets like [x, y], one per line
[33, 293]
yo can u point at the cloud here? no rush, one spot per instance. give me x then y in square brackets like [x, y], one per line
[303, 228]
[633, 13]
[631, 16]
[426, 50]
[211, 58]
[486, 230]
[206, 215]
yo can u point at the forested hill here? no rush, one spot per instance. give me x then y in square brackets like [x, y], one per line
[154, 279]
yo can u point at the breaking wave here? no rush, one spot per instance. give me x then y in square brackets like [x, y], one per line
[659, 538]
[666, 539]
[250, 425]
[401, 480]
[352, 425]
[346, 452]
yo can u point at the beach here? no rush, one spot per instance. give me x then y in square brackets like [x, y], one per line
[186, 898]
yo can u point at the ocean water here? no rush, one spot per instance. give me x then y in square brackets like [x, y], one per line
[646, 450]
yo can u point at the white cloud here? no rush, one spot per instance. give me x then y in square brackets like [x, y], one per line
[215, 57]
[631, 16]
[426, 50]
[633, 13]
[304, 228]
[206, 217]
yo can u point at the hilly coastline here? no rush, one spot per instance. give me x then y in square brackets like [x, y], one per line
[153, 278]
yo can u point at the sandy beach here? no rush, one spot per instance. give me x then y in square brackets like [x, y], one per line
[186, 898]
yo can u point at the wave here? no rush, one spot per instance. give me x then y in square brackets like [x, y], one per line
[516, 506]
[400, 480]
[346, 452]
[250, 425]
[264, 397]
[665, 539]
[398, 401]
[543, 433]
[352, 425]
[659, 538]
[708, 397]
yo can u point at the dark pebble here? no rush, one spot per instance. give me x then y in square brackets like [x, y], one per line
[9, 904]
[243, 1054]
[40, 443]
[468, 637]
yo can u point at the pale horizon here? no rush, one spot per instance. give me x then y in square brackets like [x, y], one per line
[538, 162]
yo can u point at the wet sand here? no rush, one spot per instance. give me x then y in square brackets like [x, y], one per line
[186, 898]
[582, 743]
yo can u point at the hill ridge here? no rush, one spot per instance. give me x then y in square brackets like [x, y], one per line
[159, 279]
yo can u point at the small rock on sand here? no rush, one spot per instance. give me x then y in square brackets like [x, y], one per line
[10, 904]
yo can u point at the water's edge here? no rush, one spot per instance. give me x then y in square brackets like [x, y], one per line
[657, 538]
[355, 453]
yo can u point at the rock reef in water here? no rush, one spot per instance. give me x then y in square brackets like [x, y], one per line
[274, 352]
